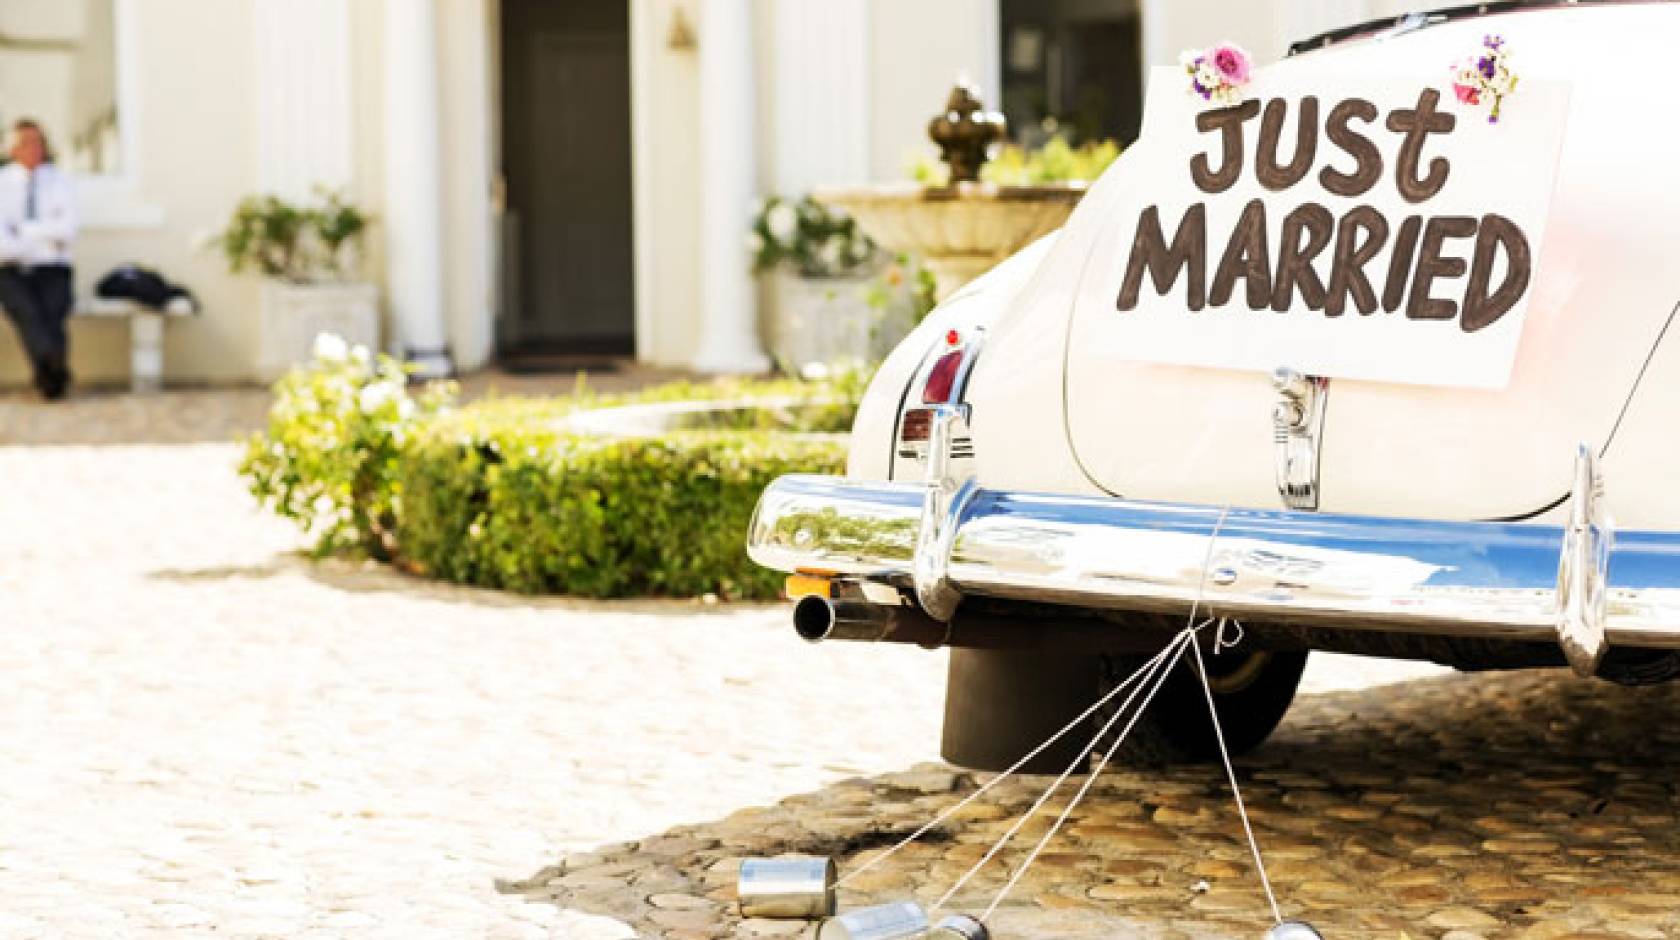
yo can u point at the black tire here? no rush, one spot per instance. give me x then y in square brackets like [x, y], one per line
[1251, 690]
[1000, 704]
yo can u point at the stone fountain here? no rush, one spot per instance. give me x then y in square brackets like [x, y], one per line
[960, 230]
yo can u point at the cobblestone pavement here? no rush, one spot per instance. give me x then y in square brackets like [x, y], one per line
[202, 734]
[1515, 806]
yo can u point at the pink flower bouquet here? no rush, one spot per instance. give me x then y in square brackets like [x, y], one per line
[1218, 73]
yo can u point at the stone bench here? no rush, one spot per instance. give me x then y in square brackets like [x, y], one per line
[145, 331]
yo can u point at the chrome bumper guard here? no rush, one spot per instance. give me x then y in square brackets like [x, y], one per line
[1519, 581]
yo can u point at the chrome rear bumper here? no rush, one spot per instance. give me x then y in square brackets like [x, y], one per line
[1484, 579]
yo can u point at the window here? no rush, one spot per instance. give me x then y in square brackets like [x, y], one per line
[58, 65]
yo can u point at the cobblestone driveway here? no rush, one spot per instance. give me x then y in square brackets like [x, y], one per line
[1521, 806]
[203, 735]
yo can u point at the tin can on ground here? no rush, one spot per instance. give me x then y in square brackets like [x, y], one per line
[959, 927]
[902, 921]
[790, 888]
[1294, 930]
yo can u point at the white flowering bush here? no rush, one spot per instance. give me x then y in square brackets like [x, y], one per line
[817, 240]
[328, 459]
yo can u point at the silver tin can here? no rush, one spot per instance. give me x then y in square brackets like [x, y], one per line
[1293, 930]
[902, 921]
[786, 887]
[959, 927]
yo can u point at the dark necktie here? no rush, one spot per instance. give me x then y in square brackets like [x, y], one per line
[29, 199]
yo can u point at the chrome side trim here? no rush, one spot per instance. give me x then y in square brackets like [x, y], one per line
[1491, 579]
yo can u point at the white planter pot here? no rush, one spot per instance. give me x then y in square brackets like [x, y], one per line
[294, 314]
[829, 320]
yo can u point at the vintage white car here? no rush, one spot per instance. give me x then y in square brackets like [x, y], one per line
[1366, 357]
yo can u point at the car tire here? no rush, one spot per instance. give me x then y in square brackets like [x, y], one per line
[1251, 692]
[1000, 704]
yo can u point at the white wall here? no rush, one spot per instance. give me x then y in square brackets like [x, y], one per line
[917, 50]
[41, 84]
[197, 106]
[193, 103]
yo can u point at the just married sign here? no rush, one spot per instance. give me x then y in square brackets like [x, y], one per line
[1356, 227]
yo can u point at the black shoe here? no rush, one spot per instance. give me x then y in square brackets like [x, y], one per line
[53, 380]
[42, 377]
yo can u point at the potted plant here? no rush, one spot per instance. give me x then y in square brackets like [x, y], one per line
[823, 269]
[309, 256]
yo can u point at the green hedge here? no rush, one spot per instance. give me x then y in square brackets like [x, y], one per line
[497, 494]
[535, 511]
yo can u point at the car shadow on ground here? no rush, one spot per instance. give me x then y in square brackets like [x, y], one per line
[1514, 805]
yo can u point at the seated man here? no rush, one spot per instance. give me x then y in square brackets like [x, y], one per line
[37, 226]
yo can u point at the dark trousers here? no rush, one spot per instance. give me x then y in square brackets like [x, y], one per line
[38, 300]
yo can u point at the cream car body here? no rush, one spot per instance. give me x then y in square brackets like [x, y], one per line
[1472, 525]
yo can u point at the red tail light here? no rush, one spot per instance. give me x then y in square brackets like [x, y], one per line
[943, 378]
[916, 424]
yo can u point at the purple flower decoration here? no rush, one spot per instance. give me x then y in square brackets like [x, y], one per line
[1485, 76]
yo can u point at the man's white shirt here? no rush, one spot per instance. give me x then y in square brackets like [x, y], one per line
[46, 237]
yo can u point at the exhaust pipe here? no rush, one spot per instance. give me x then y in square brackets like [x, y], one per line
[817, 618]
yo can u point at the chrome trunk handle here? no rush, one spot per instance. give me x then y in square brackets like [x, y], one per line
[1584, 569]
[946, 492]
[1297, 427]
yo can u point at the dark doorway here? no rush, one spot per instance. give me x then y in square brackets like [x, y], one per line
[1072, 68]
[568, 277]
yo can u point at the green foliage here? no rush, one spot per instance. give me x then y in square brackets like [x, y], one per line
[302, 244]
[329, 458]
[530, 509]
[1055, 162]
[501, 494]
[808, 235]
[906, 280]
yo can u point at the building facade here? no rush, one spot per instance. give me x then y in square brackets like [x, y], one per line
[546, 176]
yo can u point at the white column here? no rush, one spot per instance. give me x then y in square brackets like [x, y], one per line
[413, 212]
[822, 94]
[728, 177]
[303, 96]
